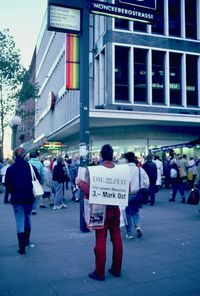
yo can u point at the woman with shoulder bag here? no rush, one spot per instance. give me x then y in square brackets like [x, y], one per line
[132, 210]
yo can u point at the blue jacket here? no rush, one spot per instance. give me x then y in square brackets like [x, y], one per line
[39, 166]
[18, 181]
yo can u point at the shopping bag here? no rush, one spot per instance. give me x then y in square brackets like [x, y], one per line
[193, 198]
[94, 215]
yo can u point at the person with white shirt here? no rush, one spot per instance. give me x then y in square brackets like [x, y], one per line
[132, 210]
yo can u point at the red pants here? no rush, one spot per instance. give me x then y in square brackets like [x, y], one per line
[112, 223]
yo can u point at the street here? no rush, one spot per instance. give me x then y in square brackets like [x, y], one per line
[165, 261]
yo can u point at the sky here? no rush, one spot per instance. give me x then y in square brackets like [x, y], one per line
[24, 19]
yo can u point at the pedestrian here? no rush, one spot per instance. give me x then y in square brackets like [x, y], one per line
[183, 169]
[150, 167]
[176, 181]
[112, 223]
[3, 174]
[34, 161]
[58, 181]
[18, 181]
[192, 172]
[47, 186]
[166, 172]
[73, 170]
[159, 166]
[132, 210]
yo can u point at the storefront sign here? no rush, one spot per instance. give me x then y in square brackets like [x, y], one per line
[124, 11]
[109, 186]
[64, 19]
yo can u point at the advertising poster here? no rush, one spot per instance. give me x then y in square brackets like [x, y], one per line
[109, 186]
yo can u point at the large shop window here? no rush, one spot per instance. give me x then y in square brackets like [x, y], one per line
[121, 73]
[158, 77]
[175, 79]
[121, 24]
[191, 19]
[174, 17]
[140, 75]
[191, 80]
[158, 26]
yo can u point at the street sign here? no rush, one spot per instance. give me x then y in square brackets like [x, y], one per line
[151, 4]
[124, 11]
[64, 19]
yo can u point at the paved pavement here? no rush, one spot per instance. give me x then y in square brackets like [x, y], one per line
[165, 261]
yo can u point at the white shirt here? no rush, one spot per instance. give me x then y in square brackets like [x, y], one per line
[134, 178]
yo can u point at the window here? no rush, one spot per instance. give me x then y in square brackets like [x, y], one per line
[191, 80]
[140, 75]
[121, 24]
[191, 19]
[158, 77]
[158, 25]
[141, 27]
[121, 73]
[174, 17]
[175, 78]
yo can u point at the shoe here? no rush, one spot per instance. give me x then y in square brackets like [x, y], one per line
[139, 232]
[34, 212]
[77, 199]
[172, 199]
[129, 236]
[43, 207]
[51, 204]
[6, 201]
[56, 208]
[183, 200]
[95, 276]
[116, 274]
[63, 206]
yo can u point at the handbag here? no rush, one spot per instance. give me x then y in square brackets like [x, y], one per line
[194, 197]
[37, 187]
[143, 193]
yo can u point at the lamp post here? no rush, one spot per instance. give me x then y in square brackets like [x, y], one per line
[14, 123]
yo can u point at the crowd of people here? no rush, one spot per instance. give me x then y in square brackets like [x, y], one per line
[61, 173]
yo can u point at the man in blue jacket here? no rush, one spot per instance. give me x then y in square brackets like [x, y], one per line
[18, 181]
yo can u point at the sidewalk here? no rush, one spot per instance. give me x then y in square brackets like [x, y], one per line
[164, 262]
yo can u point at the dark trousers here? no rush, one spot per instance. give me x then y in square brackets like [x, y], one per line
[6, 195]
[152, 193]
[112, 224]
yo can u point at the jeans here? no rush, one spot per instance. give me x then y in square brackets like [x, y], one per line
[132, 215]
[58, 193]
[22, 216]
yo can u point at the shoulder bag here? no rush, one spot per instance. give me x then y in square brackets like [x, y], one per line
[37, 188]
[143, 193]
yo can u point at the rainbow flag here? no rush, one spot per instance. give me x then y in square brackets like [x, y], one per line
[72, 61]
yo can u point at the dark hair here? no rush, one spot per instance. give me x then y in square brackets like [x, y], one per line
[130, 156]
[20, 153]
[33, 154]
[156, 157]
[59, 160]
[107, 152]
[149, 157]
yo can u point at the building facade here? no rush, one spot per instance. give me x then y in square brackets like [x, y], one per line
[144, 82]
